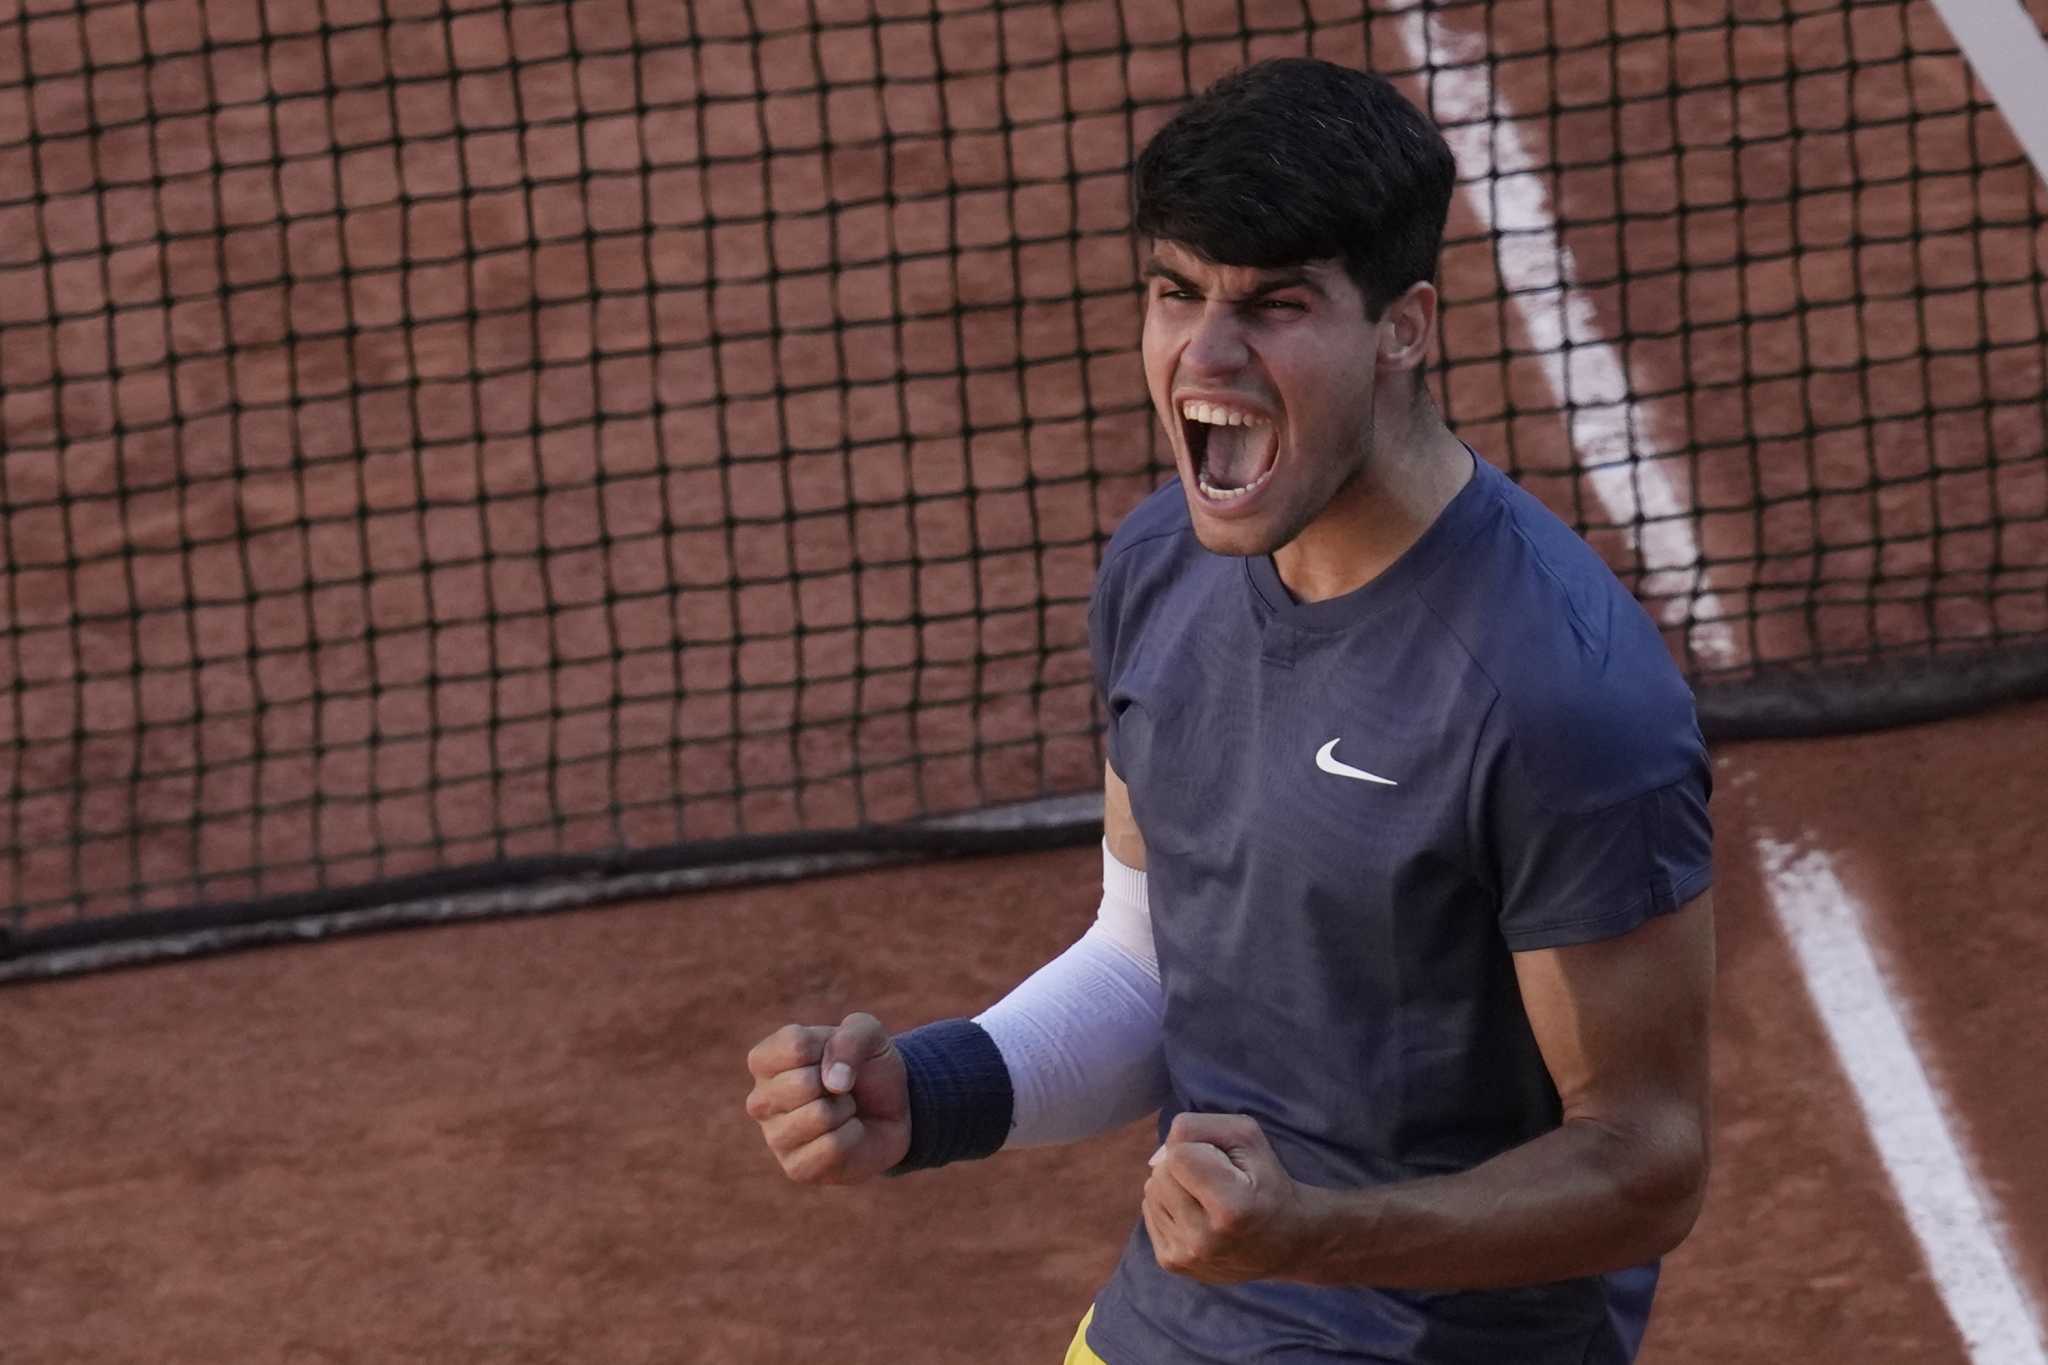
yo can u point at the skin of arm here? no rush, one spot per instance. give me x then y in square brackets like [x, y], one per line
[1119, 826]
[1622, 1027]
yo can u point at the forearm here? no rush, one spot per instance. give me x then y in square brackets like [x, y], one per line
[1082, 1036]
[1584, 1198]
[1074, 1050]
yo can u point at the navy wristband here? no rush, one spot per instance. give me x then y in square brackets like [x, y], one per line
[960, 1096]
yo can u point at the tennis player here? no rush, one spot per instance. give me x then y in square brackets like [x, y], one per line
[1405, 930]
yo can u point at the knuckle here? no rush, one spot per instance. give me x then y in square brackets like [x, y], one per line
[817, 1159]
[783, 1152]
[795, 1087]
[807, 1121]
[816, 1124]
[823, 1159]
[803, 1169]
[836, 1134]
[859, 1036]
[781, 1096]
[790, 1130]
[778, 1143]
[769, 1055]
[826, 1114]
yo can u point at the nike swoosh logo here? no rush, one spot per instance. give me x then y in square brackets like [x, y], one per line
[1326, 759]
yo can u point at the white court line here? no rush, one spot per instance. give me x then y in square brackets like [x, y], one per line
[2011, 57]
[1945, 1203]
[1946, 1208]
[1582, 366]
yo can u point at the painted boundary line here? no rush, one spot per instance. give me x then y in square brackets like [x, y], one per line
[2011, 58]
[1945, 1205]
[1946, 1208]
[1584, 369]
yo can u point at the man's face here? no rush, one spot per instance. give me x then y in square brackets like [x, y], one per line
[1264, 381]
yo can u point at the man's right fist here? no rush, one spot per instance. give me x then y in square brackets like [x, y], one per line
[833, 1103]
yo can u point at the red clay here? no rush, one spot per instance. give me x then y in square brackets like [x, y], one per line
[523, 1140]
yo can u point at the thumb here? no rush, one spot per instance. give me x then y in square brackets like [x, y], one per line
[1232, 1133]
[1214, 1152]
[859, 1039]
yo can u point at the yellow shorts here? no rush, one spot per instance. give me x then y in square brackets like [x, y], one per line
[1078, 1353]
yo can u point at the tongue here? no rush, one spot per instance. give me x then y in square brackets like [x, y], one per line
[1236, 456]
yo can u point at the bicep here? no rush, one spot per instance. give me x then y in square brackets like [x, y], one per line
[1119, 826]
[1622, 1023]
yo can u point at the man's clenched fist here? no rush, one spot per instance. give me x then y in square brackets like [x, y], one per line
[1219, 1206]
[833, 1103]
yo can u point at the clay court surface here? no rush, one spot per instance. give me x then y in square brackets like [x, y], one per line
[677, 553]
[523, 1141]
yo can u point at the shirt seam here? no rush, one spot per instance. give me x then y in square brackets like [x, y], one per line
[1648, 906]
[1475, 816]
[1145, 539]
[1514, 733]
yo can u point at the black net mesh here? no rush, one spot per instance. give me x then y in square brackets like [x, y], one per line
[479, 441]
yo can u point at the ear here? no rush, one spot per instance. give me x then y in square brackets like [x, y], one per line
[1408, 327]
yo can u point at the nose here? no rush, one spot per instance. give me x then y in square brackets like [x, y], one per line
[1216, 346]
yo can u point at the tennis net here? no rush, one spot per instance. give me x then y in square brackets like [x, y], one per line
[466, 457]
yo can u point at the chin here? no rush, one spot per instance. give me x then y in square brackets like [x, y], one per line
[1241, 537]
[1234, 540]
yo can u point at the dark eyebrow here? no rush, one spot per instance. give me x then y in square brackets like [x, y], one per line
[1273, 283]
[1155, 271]
[1286, 279]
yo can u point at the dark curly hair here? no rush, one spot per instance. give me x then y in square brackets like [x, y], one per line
[1297, 160]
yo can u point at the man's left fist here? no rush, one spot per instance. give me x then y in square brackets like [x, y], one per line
[1219, 1206]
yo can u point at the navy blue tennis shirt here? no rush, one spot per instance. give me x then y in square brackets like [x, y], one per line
[1355, 811]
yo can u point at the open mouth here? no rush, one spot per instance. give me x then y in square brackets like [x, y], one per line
[1233, 450]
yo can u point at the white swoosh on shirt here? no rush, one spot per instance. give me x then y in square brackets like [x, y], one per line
[1326, 760]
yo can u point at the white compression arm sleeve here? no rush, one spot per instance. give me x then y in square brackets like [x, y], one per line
[1081, 1035]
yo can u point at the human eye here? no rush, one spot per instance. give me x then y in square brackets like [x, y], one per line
[1278, 307]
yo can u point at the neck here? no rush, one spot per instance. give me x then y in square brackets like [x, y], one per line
[1383, 510]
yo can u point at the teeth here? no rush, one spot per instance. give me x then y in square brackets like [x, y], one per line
[1215, 494]
[1216, 415]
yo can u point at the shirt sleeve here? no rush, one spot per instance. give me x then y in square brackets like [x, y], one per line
[1568, 872]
